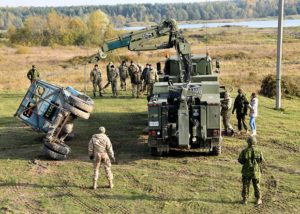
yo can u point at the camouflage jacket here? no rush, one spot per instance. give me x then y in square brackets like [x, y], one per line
[95, 75]
[33, 74]
[123, 70]
[113, 75]
[226, 105]
[251, 159]
[132, 69]
[100, 143]
[152, 76]
[240, 105]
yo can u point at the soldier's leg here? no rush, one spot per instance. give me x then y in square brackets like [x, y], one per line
[256, 186]
[138, 90]
[239, 119]
[112, 89]
[97, 163]
[94, 89]
[133, 90]
[244, 123]
[245, 191]
[107, 168]
[116, 88]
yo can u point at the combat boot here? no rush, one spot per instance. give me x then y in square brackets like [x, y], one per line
[259, 201]
[244, 201]
[111, 185]
[94, 185]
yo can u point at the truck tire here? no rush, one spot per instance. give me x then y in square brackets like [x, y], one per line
[76, 111]
[216, 150]
[53, 155]
[60, 148]
[85, 105]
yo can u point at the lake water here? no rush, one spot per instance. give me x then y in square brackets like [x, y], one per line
[250, 24]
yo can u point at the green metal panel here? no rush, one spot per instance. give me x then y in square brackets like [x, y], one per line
[203, 127]
[213, 117]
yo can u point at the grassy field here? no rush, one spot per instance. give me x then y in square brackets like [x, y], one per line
[184, 182]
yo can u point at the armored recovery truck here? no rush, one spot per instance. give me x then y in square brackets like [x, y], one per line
[184, 109]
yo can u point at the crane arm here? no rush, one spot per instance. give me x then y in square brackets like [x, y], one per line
[139, 41]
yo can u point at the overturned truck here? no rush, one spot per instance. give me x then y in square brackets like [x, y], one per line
[50, 109]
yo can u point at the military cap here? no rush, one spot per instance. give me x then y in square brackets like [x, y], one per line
[102, 129]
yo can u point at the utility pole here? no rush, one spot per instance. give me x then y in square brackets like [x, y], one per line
[279, 53]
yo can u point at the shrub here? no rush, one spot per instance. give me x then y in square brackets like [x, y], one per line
[289, 86]
[23, 50]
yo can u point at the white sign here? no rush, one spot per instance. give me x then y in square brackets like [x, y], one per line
[153, 123]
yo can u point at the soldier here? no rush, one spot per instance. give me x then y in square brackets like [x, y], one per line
[100, 150]
[33, 74]
[107, 74]
[136, 81]
[152, 77]
[113, 79]
[123, 69]
[96, 79]
[144, 77]
[241, 106]
[226, 105]
[251, 159]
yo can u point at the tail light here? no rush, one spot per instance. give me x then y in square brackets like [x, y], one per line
[154, 133]
[216, 132]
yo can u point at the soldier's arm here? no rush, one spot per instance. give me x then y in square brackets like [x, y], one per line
[91, 76]
[91, 148]
[234, 106]
[38, 74]
[109, 149]
[29, 75]
[241, 158]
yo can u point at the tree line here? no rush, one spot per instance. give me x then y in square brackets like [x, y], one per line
[124, 14]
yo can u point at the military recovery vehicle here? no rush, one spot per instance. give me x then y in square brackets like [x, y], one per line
[51, 110]
[184, 109]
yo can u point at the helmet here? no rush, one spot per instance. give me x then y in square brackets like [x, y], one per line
[251, 140]
[102, 129]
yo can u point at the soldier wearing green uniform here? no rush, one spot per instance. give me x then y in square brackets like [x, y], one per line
[251, 159]
[241, 106]
[136, 81]
[226, 105]
[33, 74]
[96, 79]
[107, 73]
[152, 77]
[113, 79]
[144, 77]
[123, 69]
[100, 151]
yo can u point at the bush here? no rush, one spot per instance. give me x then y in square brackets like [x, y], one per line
[289, 86]
[23, 50]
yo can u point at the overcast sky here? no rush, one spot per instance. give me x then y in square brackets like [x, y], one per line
[15, 3]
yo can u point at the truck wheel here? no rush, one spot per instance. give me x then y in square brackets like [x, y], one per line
[76, 111]
[60, 148]
[217, 150]
[86, 104]
[53, 155]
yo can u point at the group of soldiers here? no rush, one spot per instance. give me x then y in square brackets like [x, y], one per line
[100, 148]
[142, 79]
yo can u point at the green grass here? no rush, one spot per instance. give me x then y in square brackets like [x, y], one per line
[184, 182]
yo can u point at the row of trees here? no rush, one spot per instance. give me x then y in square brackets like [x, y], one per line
[124, 14]
[63, 30]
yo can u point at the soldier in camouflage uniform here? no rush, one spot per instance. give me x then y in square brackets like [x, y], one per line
[96, 79]
[33, 74]
[136, 81]
[251, 159]
[152, 77]
[144, 77]
[241, 106]
[123, 69]
[100, 150]
[107, 74]
[226, 105]
[113, 79]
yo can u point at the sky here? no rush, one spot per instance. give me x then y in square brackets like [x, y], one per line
[42, 3]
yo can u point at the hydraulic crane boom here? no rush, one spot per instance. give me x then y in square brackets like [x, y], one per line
[139, 41]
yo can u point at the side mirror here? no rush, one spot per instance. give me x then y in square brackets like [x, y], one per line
[158, 67]
[218, 64]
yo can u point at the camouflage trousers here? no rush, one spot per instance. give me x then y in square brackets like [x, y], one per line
[123, 83]
[150, 88]
[246, 185]
[97, 85]
[102, 158]
[114, 88]
[135, 90]
[226, 122]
